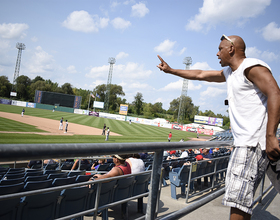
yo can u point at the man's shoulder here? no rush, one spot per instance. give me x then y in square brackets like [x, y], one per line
[251, 62]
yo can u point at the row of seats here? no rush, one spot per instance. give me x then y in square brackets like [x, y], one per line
[56, 204]
[179, 177]
[36, 175]
[69, 165]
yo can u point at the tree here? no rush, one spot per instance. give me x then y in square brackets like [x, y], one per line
[5, 87]
[190, 110]
[38, 85]
[115, 91]
[37, 78]
[23, 87]
[51, 86]
[156, 109]
[147, 110]
[67, 89]
[138, 103]
[85, 97]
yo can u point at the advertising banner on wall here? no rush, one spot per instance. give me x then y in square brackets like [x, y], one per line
[208, 120]
[97, 104]
[5, 101]
[123, 109]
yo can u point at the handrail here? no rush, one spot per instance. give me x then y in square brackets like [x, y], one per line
[17, 152]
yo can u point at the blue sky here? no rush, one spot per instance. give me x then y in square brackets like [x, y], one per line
[71, 41]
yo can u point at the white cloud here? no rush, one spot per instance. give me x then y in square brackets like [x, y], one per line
[34, 39]
[139, 10]
[137, 86]
[11, 31]
[235, 12]
[211, 92]
[182, 51]
[121, 55]
[100, 72]
[82, 21]
[201, 66]
[253, 52]
[41, 62]
[132, 71]
[192, 86]
[114, 4]
[177, 86]
[71, 69]
[166, 47]
[271, 32]
[4, 45]
[120, 23]
[129, 71]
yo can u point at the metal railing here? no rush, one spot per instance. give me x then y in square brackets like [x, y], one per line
[17, 152]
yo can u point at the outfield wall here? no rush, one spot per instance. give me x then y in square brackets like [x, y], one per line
[56, 108]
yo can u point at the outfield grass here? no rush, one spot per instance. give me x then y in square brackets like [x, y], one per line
[11, 125]
[130, 132]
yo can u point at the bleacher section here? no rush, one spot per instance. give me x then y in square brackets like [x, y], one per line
[62, 199]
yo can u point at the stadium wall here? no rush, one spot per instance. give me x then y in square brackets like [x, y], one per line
[57, 108]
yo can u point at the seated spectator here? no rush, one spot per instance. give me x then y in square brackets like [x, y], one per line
[206, 154]
[184, 154]
[121, 168]
[49, 161]
[172, 152]
[100, 162]
[143, 155]
[33, 162]
[137, 165]
[197, 151]
[190, 152]
[76, 164]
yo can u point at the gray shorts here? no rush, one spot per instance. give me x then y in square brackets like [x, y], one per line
[245, 171]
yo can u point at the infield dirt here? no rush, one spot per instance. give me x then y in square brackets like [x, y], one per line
[51, 126]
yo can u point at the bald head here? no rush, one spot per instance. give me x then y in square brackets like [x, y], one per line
[238, 43]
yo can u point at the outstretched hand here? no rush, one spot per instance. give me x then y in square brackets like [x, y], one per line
[163, 66]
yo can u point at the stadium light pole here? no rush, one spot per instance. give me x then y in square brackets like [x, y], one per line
[20, 47]
[112, 61]
[181, 113]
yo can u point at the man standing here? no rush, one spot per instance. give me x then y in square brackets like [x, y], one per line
[104, 129]
[169, 137]
[66, 126]
[254, 106]
[107, 134]
[61, 124]
[22, 112]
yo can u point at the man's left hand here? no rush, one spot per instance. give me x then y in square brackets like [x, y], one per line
[272, 148]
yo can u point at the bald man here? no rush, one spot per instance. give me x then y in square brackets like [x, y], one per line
[253, 97]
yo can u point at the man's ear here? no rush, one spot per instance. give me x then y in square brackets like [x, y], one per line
[231, 50]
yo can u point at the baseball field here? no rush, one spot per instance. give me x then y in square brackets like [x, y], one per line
[41, 126]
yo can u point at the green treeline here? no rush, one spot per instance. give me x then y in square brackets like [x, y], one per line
[26, 88]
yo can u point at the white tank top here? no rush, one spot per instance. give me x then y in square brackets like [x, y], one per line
[247, 106]
[137, 165]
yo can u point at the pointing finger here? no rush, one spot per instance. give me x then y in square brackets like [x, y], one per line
[160, 59]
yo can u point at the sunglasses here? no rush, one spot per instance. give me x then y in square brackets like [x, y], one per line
[227, 38]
